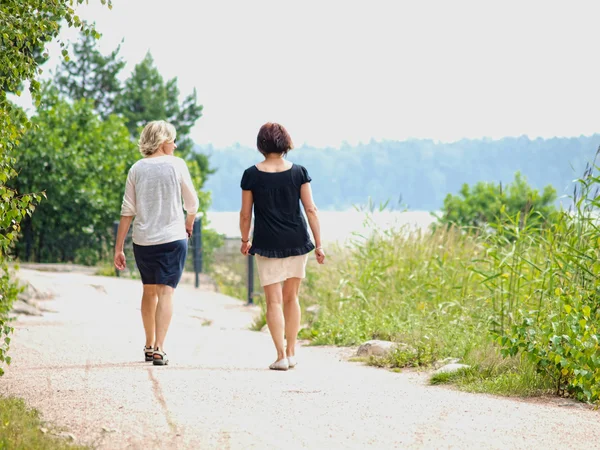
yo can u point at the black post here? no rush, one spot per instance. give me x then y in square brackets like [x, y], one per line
[115, 231]
[250, 279]
[197, 243]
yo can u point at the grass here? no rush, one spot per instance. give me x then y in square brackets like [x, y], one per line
[521, 290]
[515, 380]
[21, 429]
[261, 319]
[230, 271]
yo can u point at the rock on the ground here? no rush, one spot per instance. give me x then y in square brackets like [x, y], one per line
[445, 361]
[376, 348]
[20, 307]
[68, 436]
[451, 368]
[31, 294]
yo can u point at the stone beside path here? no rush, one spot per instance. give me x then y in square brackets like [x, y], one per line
[80, 364]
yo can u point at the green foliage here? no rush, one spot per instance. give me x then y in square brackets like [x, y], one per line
[25, 28]
[80, 161]
[90, 75]
[514, 377]
[395, 285]
[211, 241]
[486, 203]
[230, 277]
[144, 96]
[423, 353]
[261, 319]
[525, 292]
[21, 429]
[552, 286]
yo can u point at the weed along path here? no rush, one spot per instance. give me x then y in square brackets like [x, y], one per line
[80, 364]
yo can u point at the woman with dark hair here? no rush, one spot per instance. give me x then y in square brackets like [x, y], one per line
[281, 243]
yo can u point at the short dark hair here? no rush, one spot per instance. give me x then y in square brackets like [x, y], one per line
[273, 138]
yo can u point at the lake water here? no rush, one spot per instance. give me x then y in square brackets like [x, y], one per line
[336, 226]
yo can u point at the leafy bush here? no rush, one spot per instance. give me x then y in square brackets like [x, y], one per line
[485, 203]
[80, 161]
[527, 286]
[22, 43]
[556, 326]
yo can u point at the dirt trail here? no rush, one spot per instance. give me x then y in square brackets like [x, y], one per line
[81, 366]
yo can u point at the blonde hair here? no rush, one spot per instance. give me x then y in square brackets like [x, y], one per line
[155, 134]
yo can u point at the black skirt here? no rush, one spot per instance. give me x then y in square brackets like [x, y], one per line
[162, 263]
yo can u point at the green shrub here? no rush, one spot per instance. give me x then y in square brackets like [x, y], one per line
[521, 287]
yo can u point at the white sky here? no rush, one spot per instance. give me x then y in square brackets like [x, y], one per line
[335, 71]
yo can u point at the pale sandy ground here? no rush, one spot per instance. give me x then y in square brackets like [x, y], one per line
[81, 366]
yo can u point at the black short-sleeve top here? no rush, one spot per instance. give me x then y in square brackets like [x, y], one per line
[279, 227]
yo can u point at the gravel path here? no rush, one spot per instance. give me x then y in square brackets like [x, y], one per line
[81, 366]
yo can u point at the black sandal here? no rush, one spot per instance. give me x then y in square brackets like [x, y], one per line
[162, 360]
[148, 353]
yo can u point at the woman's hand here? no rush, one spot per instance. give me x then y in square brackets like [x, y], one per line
[120, 261]
[189, 224]
[320, 254]
[245, 248]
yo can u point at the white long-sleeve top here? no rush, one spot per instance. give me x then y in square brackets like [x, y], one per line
[153, 195]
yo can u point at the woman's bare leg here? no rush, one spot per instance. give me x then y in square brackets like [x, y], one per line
[164, 312]
[275, 320]
[292, 313]
[149, 300]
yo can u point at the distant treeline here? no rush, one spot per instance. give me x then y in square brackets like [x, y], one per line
[416, 173]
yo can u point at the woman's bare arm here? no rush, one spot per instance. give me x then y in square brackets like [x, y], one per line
[124, 224]
[313, 218]
[246, 220]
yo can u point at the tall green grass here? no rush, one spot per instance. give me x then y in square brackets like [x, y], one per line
[415, 287]
[525, 289]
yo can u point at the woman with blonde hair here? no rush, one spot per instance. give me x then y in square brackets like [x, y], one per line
[153, 192]
[281, 243]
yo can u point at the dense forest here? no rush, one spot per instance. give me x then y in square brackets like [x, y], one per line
[417, 174]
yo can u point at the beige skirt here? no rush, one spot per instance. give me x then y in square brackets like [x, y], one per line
[276, 270]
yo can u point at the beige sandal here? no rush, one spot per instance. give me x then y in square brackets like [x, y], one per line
[282, 364]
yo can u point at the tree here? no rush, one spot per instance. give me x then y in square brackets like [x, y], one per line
[25, 28]
[89, 74]
[147, 97]
[80, 161]
[486, 203]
